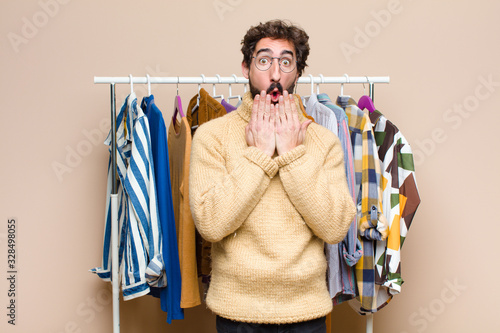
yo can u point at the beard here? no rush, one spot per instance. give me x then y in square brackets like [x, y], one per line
[273, 85]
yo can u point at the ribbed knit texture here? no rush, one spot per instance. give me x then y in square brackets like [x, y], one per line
[268, 219]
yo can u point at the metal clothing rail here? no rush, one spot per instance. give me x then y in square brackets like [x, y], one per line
[234, 79]
[310, 79]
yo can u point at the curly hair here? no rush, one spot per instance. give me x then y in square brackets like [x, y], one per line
[277, 29]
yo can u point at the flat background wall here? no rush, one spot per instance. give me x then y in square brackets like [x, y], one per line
[442, 58]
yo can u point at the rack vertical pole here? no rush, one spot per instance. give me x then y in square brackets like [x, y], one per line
[372, 91]
[369, 323]
[114, 220]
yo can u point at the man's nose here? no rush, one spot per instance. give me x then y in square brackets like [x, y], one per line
[275, 71]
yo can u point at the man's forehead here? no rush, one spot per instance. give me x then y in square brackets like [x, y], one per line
[279, 46]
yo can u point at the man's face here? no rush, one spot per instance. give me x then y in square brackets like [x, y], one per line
[273, 80]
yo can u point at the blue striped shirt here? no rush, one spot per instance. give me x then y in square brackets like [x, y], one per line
[140, 252]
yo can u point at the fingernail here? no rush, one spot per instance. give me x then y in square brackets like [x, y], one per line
[268, 97]
[281, 98]
[257, 97]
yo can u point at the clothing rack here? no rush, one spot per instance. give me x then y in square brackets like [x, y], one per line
[112, 81]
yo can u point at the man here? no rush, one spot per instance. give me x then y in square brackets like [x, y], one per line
[268, 188]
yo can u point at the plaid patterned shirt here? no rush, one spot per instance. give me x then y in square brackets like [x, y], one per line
[372, 224]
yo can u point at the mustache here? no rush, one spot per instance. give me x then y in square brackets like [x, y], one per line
[274, 86]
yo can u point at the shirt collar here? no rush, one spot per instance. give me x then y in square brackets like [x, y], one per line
[125, 122]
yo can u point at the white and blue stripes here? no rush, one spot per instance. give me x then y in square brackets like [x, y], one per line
[140, 237]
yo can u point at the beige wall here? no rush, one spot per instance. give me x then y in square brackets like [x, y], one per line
[438, 54]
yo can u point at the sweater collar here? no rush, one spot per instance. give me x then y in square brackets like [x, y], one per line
[245, 109]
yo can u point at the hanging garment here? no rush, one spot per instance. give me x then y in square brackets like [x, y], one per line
[333, 271]
[368, 197]
[400, 202]
[349, 250]
[227, 106]
[179, 146]
[171, 295]
[140, 238]
[302, 108]
[321, 114]
[208, 109]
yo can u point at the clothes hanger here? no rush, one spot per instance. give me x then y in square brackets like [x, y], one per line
[177, 105]
[149, 84]
[365, 102]
[304, 99]
[197, 103]
[198, 100]
[317, 85]
[231, 93]
[147, 100]
[244, 92]
[342, 86]
[214, 95]
[131, 84]
[312, 84]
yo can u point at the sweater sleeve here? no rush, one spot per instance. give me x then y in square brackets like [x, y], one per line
[220, 200]
[315, 182]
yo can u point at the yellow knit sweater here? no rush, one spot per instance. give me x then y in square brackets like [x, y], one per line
[268, 219]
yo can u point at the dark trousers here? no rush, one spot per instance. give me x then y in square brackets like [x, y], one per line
[229, 326]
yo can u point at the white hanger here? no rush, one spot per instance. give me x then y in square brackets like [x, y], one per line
[317, 85]
[312, 84]
[342, 85]
[149, 84]
[213, 89]
[131, 84]
[199, 89]
[198, 99]
[231, 93]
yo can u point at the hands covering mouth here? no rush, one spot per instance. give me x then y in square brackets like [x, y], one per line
[275, 128]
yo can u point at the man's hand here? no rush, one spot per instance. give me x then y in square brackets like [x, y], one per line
[260, 129]
[290, 133]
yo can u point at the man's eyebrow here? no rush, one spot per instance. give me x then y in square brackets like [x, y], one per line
[270, 51]
[264, 50]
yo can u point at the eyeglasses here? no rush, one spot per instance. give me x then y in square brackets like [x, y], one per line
[264, 62]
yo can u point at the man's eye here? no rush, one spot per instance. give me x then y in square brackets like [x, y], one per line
[286, 62]
[263, 61]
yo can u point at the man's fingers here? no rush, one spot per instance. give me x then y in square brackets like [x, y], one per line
[272, 112]
[281, 107]
[255, 108]
[293, 110]
[262, 104]
[288, 111]
[267, 106]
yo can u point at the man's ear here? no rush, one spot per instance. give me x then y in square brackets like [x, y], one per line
[244, 69]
